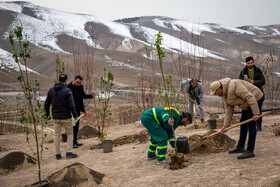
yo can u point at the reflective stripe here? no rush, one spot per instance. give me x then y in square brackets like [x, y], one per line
[152, 151]
[153, 144]
[155, 115]
[165, 115]
[167, 108]
[160, 155]
[162, 147]
[171, 139]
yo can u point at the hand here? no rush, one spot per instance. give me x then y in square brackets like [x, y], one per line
[255, 118]
[171, 121]
[251, 81]
[182, 92]
[223, 130]
[93, 94]
[76, 119]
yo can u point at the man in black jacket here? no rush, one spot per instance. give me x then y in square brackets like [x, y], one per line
[79, 94]
[63, 105]
[253, 75]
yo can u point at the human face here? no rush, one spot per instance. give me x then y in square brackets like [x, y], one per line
[194, 84]
[250, 64]
[77, 82]
[219, 92]
[184, 122]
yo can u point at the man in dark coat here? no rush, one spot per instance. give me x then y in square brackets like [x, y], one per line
[63, 105]
[253, 75]
[79, 94]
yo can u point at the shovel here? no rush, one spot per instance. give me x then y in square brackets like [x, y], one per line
[231, 127]
[211, 115]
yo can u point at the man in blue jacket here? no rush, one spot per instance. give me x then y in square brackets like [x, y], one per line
[78, 94]
[159, 124]
[61, 99]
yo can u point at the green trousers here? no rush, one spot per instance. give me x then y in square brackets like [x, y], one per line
[158, 135]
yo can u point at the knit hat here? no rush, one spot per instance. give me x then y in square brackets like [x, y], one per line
[214, 86]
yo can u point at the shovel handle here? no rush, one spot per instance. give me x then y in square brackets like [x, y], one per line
[233, 126]
[197, 104]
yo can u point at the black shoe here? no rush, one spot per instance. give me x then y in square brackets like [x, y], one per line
[79, 144]
[246, 154]
[202, 121]
[237, 150]
[71, 155]
[58, 156]
[259, 128]
[75, 146]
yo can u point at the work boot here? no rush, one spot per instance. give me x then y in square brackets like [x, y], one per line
[237, 150]
[75, 146]
[151, 158]
[71, 155]
[79, 144]
[246, 154]
[165, 161]
[202, 121]
[58, 156]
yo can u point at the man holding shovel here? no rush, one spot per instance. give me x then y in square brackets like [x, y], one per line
[195, 92]
[79, 94]
[249, 98]
[159, 124]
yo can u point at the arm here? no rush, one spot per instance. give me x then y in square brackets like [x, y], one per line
[71, 104]
[261, 81]
[182, 85]
[47, 104]
[84, 95]
[241, 75]
[229, 113]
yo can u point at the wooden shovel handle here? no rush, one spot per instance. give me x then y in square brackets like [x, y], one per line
[233, 126]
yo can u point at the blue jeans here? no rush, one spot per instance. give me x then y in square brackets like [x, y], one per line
[251, 127]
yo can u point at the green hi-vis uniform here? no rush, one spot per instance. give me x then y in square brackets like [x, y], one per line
[155, 121]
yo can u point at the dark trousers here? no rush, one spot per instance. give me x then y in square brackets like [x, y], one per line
[259, 122]
[76, 129]
[251, 127]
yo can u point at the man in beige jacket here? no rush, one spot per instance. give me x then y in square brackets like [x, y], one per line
[249, 98]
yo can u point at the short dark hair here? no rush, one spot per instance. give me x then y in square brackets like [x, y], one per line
[186, 115]
[78, 77]
[249, 58]
[62, 78]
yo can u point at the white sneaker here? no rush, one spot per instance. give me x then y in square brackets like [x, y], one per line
[165, 161]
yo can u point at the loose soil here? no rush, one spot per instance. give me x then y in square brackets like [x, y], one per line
[75, 175]
[127, 164]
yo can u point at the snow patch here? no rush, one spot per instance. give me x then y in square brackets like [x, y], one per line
[7, 61]
[104, 95]
[126, 45]
[222, 41]
[276, 32]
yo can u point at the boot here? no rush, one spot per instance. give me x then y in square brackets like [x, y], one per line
[246, 154]
[237, 150]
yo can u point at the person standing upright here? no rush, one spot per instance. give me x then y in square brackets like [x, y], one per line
[253, 75]
[195, 92]
[79, 94]
[63, 105]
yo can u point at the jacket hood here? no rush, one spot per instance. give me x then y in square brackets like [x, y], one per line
[58, 86]
[225, 83]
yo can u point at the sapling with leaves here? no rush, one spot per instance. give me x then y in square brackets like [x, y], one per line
[103, 112]
[33, 117]
[60, 67]
[169, 94]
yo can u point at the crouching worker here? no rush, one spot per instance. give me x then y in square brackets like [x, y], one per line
[159, 125]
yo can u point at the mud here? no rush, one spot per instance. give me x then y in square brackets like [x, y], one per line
[215, 144]
[87, 132]
[14, 161]
[141, 137]
[75, 175]
[177, 161]
[276, 129]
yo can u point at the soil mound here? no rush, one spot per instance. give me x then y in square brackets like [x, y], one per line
[215, 144]
[141, 137]
[87, 132]
[15, 160]
[75, 175]
[276, 129]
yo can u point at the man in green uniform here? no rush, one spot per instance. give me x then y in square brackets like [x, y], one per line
[159, 125]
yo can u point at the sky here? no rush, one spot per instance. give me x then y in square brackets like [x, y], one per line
[227, 12]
